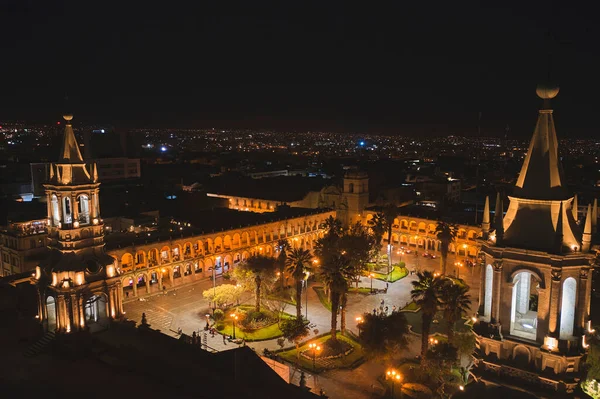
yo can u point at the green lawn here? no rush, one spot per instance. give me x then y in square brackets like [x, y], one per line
[397, 274]
[353, 359]
[360, 290]
[262, 334]
[322, 297]
[286, 296]
[414, 319]
[411, 307]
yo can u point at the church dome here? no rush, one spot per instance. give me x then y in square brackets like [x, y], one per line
[547, 91]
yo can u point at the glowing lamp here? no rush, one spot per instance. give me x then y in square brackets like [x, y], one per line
[551, 343]
[76, 224]
[95, 221]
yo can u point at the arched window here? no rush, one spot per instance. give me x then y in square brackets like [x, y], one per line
[351, 188]
[67, 210]
[84, 209]
[523, 316]
[51, 312]
[55, 211]
[489, 284]
[567, 308]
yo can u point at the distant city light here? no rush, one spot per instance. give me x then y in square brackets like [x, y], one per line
[163, 149]
[362, 143]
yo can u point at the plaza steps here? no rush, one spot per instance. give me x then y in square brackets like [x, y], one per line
[41, 345]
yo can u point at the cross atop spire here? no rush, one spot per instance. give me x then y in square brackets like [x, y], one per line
[69, 152]
[541, 176]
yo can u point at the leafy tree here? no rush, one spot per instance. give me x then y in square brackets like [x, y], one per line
[334, 272]
[592, 362]
[426, 294]
[465, 345]
[384, 336]
[357, 244]
[456, 303]
[223, 294]
[260, 267]
[378, 227]
[446, 233]
[298, 264]
[333, 226]
[295, 330]
[390, 212]
[438, 363]
[283, 245]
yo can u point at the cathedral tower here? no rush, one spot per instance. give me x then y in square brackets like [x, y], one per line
[77, 284]
[355, 194]
[534, 300]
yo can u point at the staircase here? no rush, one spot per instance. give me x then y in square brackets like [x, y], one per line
[41, 345]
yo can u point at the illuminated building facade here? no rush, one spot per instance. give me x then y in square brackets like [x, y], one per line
[78, 284]
[534, 300]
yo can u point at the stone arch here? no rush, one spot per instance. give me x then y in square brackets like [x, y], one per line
[269, 250]
[395, 238]
[404, 240]
[404, 224]
[227, 242]
[227, 262]
[187, 269]
[245, 238]
[198, 266]
[523, 316]
[51, 313]
[237, 258]
[177, 271]
[431, 228]
[472, 235]
[208, 246]
[176, 252]
[188, 250]
[396, 223]
[86, 233]
[534, 273]
[96, 309]
[126, 261]
[153, 256]
[245, 255]
[422, 227]
[412, 225]
[83, 208]
[199, 247]
[521, 355]
[461, 234]
[55, 211]
[140, 258]
[236, 240]
[567, 308]
[218, 245]
[165, 254]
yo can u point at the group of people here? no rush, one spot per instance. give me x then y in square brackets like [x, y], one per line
[383, 309]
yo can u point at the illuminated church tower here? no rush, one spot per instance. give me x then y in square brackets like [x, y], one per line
[534, 300]
[77, 284]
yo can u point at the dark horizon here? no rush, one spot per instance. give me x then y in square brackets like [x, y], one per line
[401, 70]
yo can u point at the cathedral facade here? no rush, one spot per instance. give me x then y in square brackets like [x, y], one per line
[535, 292]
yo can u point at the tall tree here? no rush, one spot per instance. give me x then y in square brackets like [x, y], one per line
[357, 244]
[261, 267]
[456, 303]
[298, 264]
[390, 212]
[384, 336]
[295, 331]
[334, 273]
[446, 233]
[333, 226]
[378, 227]
[426, 294]
[283, 245]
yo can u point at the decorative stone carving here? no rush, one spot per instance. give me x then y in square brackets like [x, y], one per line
[583, 273]
[498, 265]
[556, 274]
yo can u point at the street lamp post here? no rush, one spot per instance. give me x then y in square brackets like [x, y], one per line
[234, 317]
[371, 275]
[395, 377]
[315, 348]
[306, 294]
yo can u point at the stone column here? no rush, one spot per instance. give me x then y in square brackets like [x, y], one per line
[147, 285]
[160, 283]
[482, 268]
[75, 206]
[134, 286]
[554, 315]
[75, 312]
[582, 309]
[497, 291]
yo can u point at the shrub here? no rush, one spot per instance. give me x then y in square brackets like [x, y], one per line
[218, 315]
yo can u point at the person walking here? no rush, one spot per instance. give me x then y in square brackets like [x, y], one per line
[224, 340]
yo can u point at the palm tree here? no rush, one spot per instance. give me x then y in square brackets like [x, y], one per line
[383, 336]
[446, 233]
[378, 227]
[456, 302]
[283, 245]
[333, 226]
[334, 274]
[261, 267]
[390, 212]
[426, 294]
[298, 264]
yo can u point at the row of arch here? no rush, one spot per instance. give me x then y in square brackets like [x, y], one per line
[70, 209]
[432, 244]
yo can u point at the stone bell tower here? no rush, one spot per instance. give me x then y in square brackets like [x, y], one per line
[356, 195]
[534, 301]
[77, 284]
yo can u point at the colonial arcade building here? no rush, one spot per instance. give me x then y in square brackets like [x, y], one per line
[534, 302]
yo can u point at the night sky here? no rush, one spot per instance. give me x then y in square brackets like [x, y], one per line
[426, 68]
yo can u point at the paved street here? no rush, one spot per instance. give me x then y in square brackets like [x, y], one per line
[185, 308]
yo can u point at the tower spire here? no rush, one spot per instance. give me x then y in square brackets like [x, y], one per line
[558, 243]
[595, 215]
[541, 176]
[575, 208]
[587, 230]
[485, 224]
[69, 152]
[499, 220]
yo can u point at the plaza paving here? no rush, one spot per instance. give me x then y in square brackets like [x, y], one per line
[185, 308]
